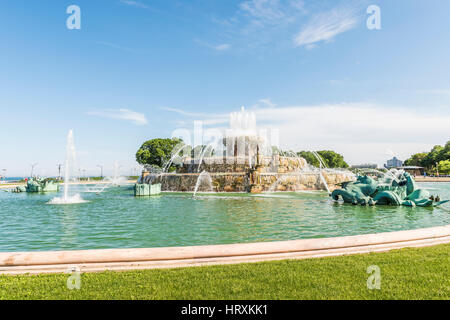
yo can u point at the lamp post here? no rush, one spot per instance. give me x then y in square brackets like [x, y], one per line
[101, 171]
[33, 165]
[437, 169]
[59, 165]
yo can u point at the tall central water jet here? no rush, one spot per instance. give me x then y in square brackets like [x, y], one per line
[70, 156]
[70, 161]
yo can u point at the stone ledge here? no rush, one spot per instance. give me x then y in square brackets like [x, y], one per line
[129, 259]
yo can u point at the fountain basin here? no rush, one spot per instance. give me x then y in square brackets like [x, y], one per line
[117, 219]
[171, 257]
[254, 182]
[239, 174]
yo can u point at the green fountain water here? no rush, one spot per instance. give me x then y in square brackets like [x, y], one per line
[116, 219]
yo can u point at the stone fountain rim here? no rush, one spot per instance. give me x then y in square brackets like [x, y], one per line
[172, 257]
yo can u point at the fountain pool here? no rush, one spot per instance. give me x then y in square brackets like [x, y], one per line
[116, 219]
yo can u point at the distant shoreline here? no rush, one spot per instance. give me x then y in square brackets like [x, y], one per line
[432, 179]
[14, 185]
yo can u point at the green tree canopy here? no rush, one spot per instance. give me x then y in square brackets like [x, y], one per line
[329, 157]
[333, 159]
[157, 152]
[416, 159]
[309, 157]
[429, 159]
[433, 156]
[444, 167]
[445, 153]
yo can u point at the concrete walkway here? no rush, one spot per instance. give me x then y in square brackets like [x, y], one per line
[432, 179]
[172, 257]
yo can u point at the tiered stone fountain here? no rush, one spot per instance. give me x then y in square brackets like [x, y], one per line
[246, 164]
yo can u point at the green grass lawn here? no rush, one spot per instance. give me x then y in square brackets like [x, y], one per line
[421, 273]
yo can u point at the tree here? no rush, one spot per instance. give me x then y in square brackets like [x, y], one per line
[416, 159]
[330, 158]
[433, 157]
[157, 152]
[333, 159]
[309, 157]
[445, 153]
[444, 167]
[429, 160]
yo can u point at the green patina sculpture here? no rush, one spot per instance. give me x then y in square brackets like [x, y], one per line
[145, 189]
[402, 191]
[39, 185]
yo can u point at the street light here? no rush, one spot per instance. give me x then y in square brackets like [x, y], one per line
[59, 165]
[101, 171]
[33, 165]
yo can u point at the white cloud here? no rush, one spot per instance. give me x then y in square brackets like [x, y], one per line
[222, 47]
[278, 23]
[270, 11]
[115, 46]
[206, 118]
[141, 5]
[186, 113]
[335, 82]
[134, 4]
[298, 4]
[361, 131]
[436, 91]
[267, 102]
[136, 118]
[256, 22]
[325, 26]
[218, 47]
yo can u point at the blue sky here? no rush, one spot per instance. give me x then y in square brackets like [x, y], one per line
[141, 69]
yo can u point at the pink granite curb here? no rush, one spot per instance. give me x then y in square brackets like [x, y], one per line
[127, 259]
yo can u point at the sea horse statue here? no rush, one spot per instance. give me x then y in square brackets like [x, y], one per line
[400, 192]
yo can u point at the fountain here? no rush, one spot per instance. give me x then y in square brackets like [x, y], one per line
[321, 166]
[70, 161]
[174, 156]
[402, 190]
[116, 180]
[204, 179]
[244, 163]
[38, 185]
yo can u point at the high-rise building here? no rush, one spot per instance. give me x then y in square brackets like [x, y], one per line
[393, 163]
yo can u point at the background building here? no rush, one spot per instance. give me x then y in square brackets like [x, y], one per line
[414, 170]
[393, 163]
